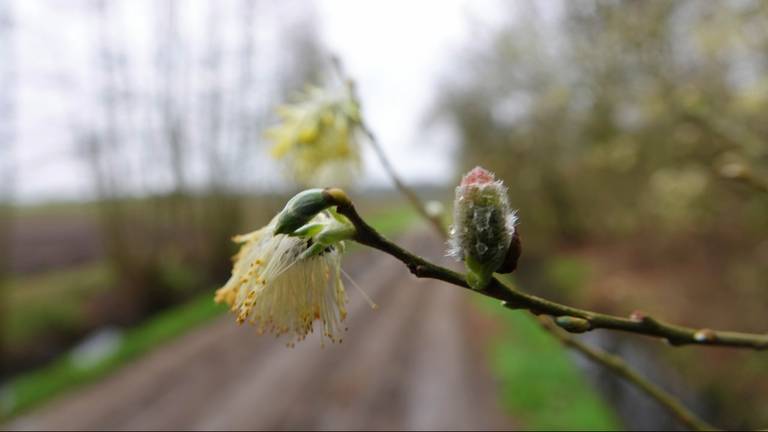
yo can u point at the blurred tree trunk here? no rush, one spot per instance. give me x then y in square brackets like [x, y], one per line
[169, 54]
[228, 147]
[7, 137]
[103, 147]
[123, 227]
[216, 225]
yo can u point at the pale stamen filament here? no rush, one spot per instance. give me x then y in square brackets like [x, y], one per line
[359, 289]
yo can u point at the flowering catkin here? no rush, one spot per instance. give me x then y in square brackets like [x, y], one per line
[287, 275]
[483, 226]
[317, 136]
[278, 288]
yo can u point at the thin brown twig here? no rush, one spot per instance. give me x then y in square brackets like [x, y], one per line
[606, 360]
[434, 220]
[410, 194]
[367, 235]
[572, 319]
[624, 371]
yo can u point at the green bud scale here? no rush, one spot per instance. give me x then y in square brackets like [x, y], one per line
[301, 209]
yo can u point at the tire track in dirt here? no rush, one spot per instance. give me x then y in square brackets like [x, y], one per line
[407, 365]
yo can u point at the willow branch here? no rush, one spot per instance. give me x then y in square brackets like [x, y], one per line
[616, 365]
[416, 202]
[604, 359]
[572, 319]
[413, 198]
[367, 235]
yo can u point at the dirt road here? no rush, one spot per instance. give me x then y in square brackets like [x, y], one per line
[411, 364]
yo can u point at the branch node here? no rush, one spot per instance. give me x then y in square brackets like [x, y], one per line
[646, 320]
[573, 324]
[571, 319]
[418, 270]
[705, 335]
[638, 316]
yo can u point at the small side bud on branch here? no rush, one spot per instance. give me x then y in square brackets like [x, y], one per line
[573, 324]
[705, 335]
[638, 316]
[483, 233]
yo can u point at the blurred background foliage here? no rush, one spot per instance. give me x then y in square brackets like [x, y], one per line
[607, 122]
[618, 127]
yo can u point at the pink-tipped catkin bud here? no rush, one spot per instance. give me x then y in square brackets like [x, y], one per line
[483, 232]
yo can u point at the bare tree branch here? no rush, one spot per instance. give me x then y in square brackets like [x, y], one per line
[572, 319]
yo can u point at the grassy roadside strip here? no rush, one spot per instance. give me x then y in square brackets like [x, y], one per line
[540, 384]
[52, 300]
[33, 388]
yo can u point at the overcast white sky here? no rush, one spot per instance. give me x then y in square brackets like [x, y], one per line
[396, 49]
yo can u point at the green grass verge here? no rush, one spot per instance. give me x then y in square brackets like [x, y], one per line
[540, 385]
[52, 300]
[34, 388]
[393, 220]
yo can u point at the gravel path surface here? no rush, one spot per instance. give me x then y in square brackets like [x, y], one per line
[410, 364]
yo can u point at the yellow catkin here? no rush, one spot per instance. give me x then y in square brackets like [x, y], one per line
[287, 295]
